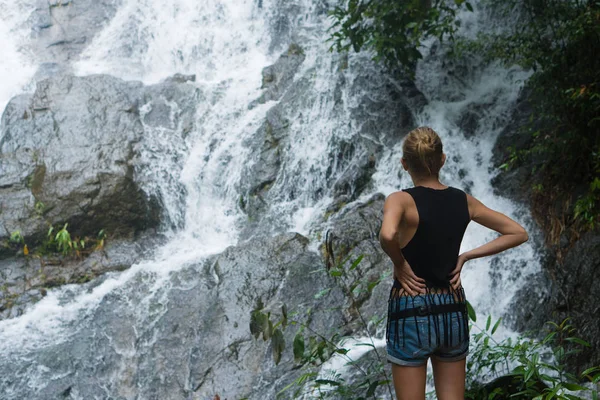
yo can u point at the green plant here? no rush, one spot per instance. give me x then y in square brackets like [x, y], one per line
[587, 206]
[62, 242]
[525, 368]
[521, 368]
[312, 349]
[393, 30]
[16, 238]
[39, 207]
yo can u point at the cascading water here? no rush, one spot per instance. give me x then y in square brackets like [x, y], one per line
[226, 44]
[14, 63]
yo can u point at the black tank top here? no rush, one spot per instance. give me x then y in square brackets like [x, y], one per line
[443, 218]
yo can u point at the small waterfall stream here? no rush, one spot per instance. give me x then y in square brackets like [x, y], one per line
[226, 44]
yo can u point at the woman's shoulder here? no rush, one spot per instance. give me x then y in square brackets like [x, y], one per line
[399, 198]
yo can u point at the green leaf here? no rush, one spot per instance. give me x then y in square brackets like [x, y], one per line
[496, 325]
[257, 323]
[372, 388]
[278, 344]
[335, 272]
[471, 312]
[469, 6]
[356, 262]
[372, 285]
[488, 323]
[590, 370]
[284, 313]
[298, 347]
[578, 341]
[573, 386]
[365, 344]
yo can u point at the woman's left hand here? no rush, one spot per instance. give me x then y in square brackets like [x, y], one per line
[455, 274]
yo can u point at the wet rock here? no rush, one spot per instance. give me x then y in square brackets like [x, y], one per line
[358, 162]
[561, 289]
[62, 29]
[570, 289]
[354, 232]
[376, 111]
[277, 78]
[69, 152]
[26, 280]
[200, 334]
[514, 182]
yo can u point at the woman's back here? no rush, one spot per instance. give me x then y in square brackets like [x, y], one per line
[435, 222]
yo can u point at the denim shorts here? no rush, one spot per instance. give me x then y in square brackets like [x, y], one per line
[412, 340]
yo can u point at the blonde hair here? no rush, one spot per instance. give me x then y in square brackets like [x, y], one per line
[422, 151]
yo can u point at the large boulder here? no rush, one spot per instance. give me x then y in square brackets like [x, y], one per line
[566, 289]
[69, 153]
[353, 233]
[278, 77]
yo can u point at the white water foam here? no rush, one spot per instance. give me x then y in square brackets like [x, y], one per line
[225, 44]
[491, 282]
[16, 67]
[227, 58]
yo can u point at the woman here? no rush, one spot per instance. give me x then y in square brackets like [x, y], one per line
[422, 230]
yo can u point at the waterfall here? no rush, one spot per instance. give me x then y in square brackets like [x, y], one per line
[15, 63]
[226, 44]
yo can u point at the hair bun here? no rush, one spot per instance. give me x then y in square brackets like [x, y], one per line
[423, 151]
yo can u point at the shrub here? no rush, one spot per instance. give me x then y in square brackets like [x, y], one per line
[521, 368]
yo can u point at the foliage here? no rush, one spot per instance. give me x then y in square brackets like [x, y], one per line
[60, 242]
[525, 368]
[521, 368]
[63, 243]
[311, 350]
[559, 42]
[16, 238]
[394, 30]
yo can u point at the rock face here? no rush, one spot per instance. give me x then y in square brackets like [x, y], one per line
[25, 281]
[68, 153]
[354, 232]
[200, 330]
[379, 108]
[567, 288]
[277, 78]
[61, 29]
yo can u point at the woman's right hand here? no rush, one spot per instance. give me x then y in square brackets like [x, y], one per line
[455, 274]
[411, 283]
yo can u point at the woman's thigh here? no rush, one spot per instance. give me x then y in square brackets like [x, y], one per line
[409, 382]
[449, 378]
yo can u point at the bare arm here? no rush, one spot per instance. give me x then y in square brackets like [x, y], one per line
[388, 237]
[512, 233]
